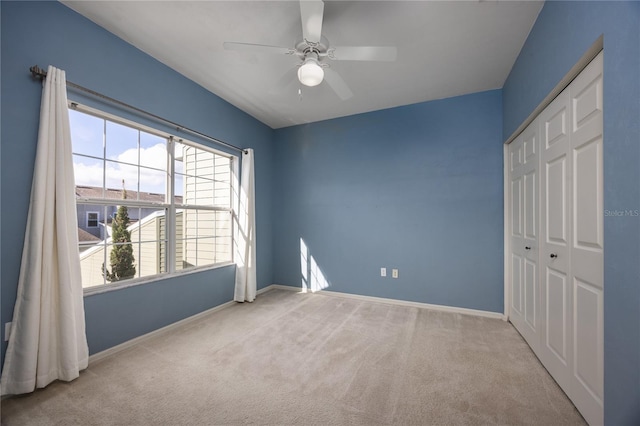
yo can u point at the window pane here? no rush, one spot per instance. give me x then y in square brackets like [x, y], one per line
[204, 237]
[197, 162]
[222, 172]
[90, 223]
[196, 252]
[222, 194]
[153, 185]
[121, 143]
[88, 172]
[91, 261]
[223, 236]
[116, 175]
[86, 134]
[148, 259]
[179, 156]
[202, 177]
[151, 227]
[198, 191]
[121, 262]
[200, 251]
[153, 151]
[179, 188]
[180, 259]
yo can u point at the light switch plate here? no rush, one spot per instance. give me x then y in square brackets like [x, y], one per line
[383, 272]
[394, 273]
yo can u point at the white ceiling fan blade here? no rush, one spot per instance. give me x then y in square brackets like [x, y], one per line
[338, 85]
[311, 12]
[364, 53]
[256, 48]
[287, 78]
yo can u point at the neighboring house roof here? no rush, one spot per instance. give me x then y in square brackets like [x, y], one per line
[85, 237]
[96, 192]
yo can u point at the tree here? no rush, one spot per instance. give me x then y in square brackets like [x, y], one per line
[121, 259]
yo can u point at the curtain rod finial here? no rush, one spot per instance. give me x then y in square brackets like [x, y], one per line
[37, 72]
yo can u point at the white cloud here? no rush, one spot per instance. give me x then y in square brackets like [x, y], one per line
[87, 175]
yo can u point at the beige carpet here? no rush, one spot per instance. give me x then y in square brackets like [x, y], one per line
[304, 359]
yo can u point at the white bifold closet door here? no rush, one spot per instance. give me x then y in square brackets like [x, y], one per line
[524, 180]
[565, 329]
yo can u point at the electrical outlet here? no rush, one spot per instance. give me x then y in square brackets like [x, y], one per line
[394, 273]
[383, 272]
[7, 331]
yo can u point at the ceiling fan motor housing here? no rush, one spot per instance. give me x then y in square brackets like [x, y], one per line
[304, 48]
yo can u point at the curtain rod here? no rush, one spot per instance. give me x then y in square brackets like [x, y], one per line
[38, 72]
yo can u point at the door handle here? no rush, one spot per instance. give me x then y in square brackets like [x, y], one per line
[527, 248]
[553, 255]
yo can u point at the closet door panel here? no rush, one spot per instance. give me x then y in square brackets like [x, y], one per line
[555, 250]
[516, 156]
[530, 208]
[530, 294]
[556, 318]
[586, 93]
[524, 187]
[556, 201]
[516, 284]
[588, 316]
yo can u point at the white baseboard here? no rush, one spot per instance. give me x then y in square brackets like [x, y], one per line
[129, 343]
[442, 308]
[273, 286]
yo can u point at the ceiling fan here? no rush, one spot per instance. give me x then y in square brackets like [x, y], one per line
[314, 49]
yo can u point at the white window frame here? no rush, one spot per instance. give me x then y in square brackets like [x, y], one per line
[97, 219]
[170, 207]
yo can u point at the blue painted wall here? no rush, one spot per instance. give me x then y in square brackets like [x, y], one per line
[418, 188]
[118, 316]
[46, 33]
[562, 33]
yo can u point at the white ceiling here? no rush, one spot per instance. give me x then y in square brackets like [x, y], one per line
[445, 49]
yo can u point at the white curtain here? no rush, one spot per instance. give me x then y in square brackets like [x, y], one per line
[245, 255]
[48, 340]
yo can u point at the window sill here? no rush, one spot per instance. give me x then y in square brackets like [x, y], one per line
[99, 289]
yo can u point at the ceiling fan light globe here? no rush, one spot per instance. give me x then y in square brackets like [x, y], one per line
[310, 73]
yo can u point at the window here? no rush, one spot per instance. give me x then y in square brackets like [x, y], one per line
[92, 219]
[165, 202]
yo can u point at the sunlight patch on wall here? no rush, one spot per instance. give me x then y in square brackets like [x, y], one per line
[312, 277]
[304, 265]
